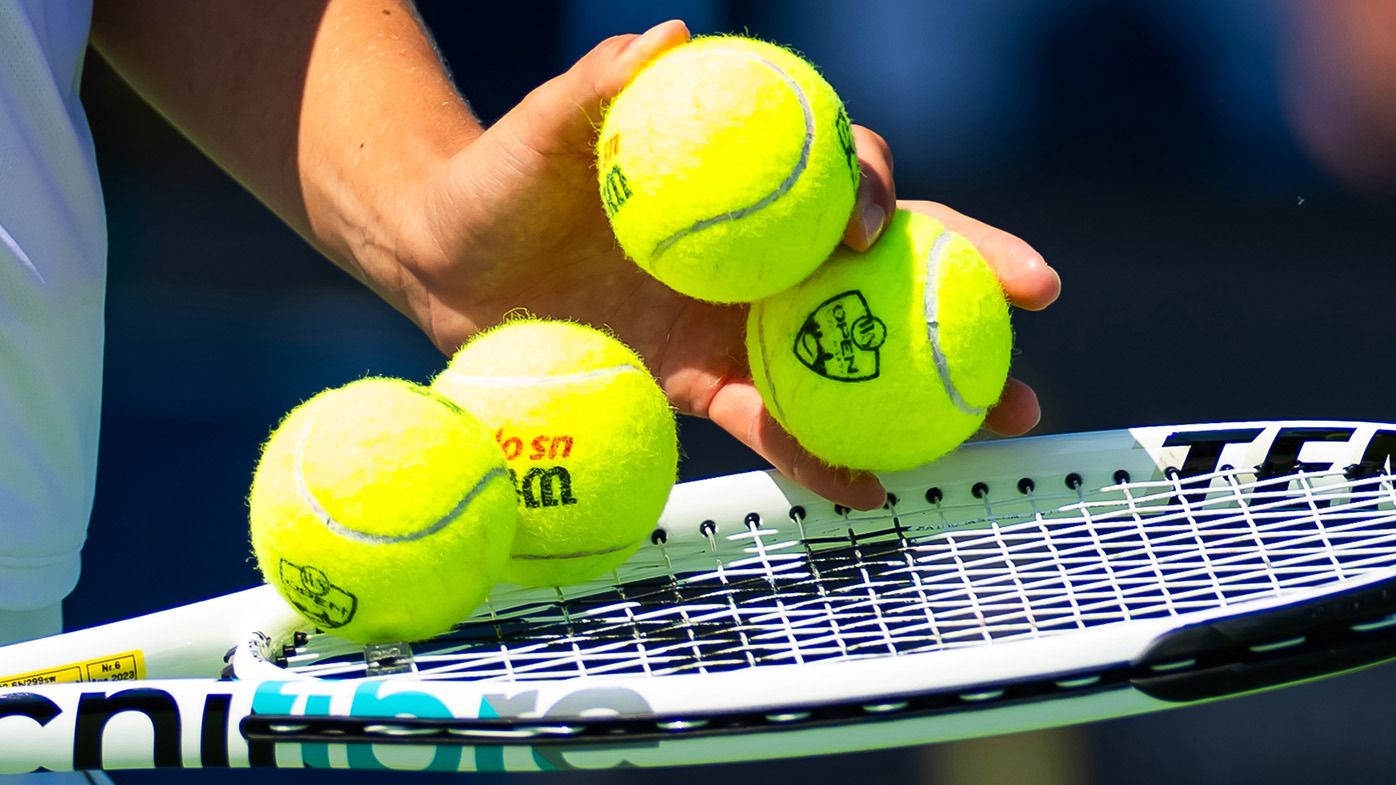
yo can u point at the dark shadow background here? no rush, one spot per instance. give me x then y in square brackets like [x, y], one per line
[1212, 272]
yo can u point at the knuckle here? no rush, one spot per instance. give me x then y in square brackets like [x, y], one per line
[612, 46]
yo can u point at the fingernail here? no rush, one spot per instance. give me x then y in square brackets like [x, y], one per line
[873, 218]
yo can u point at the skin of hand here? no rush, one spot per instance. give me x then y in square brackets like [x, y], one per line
[465, 225]
[522, 201]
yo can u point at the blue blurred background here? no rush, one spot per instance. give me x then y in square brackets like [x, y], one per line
[1212, 178]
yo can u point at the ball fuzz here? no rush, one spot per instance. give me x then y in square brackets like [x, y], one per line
[887, 359]
[588, 438]
[381, 511]
[727, 168]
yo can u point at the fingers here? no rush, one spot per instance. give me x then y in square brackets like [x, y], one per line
[1027, 279]
[737, 409]
[561, 116]
[1017, 411]
[609, 67]
[877, 193]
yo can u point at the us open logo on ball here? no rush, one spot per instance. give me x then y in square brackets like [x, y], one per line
[310, 590]
[841, 338]
[545, 484]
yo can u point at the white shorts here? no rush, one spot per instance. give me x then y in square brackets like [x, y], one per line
[18, 626]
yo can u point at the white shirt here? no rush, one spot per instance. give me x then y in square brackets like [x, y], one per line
[52, 285]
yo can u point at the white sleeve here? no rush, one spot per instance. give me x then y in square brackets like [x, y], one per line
[52, 289]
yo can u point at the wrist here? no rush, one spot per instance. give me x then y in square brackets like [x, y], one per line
[379, 119]
[367, 196]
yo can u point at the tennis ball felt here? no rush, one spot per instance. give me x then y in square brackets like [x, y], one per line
[381, 511]
[727, 169]
[587, 435]
[887, 359]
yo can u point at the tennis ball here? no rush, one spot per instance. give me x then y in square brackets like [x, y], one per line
[587, 435]
[381, 511]
[727, 169]
[887, 359]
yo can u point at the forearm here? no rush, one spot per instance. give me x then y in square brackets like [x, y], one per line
[327, 111]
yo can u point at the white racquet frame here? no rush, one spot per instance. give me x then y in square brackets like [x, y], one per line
[1016, 584]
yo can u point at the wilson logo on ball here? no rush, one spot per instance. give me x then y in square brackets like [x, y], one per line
[841, 338]
[615, 190]
[844, 128]
[544, 486]
[540, 486]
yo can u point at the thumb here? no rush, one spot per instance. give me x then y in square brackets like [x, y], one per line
[608, 68]
[566, 110]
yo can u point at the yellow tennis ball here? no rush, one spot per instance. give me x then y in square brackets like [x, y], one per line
[587, 435]
[381, 511]
[727, 168]
[887, 359]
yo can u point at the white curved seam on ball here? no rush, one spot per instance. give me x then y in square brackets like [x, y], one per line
[938, 249]
[772, 404]
[482, 380]
[577, 555]
[784, 188]
[319, 511]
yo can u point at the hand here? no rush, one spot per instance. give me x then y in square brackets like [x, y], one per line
[513, 220]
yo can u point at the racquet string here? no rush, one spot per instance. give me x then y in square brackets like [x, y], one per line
[927, 575]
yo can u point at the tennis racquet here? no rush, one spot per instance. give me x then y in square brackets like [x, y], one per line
[1016, 584]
